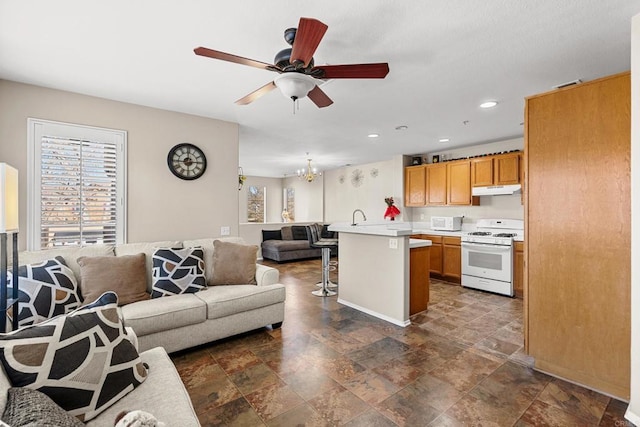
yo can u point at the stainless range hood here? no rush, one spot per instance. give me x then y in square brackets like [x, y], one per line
[496, 190]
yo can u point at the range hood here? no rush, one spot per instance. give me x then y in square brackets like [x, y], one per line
[496, 190]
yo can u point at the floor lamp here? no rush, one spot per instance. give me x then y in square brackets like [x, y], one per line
[8, 225]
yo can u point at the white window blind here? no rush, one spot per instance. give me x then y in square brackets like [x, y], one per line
[78, 182]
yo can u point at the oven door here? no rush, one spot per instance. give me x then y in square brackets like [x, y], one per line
[487, 261]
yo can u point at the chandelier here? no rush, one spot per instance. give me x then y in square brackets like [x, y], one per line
[308, 174]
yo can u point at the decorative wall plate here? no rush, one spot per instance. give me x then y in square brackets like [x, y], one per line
[357, 177]
[374, 172]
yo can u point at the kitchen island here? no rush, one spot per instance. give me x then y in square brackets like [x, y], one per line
[375, 270]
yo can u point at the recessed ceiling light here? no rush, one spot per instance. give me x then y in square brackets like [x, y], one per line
[443, 140]
[373, 135]
[402, 127]
[489, 104]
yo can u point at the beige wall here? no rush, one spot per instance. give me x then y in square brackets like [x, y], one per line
[160, 206]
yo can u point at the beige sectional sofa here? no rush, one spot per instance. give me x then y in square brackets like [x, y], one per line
[168, 324]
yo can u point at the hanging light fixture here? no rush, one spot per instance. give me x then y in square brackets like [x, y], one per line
[308, 174]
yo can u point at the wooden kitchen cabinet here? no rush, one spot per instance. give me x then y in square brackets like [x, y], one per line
[437, 184]
[577, 302]
[415, 181]
[503, 169]
[419, 259]
[518, 269]
[451, 258]
[445, 257]
[459, 183]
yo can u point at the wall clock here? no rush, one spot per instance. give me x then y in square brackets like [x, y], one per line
[186, 161]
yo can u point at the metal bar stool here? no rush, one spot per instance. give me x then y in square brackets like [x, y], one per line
[315, 241]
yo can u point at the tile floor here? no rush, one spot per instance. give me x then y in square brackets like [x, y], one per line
[459, 363]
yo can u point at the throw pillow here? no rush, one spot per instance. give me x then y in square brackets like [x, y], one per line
[126, 275]
[177, 271]
[299, 232]
[234, 264]
[27, 407]
[271, 235]
[45, 290]
[287, 232]
[83, 361]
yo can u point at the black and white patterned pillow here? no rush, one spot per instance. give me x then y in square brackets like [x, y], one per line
[177, 271]
[84, 361]
[45, 290]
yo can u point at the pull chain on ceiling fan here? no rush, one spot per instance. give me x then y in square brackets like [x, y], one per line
[298, 74]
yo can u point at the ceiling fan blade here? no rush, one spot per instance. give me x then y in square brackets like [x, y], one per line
[256, 94]
[352, 71]
[319, 97]
[308, 36]
[216, 54]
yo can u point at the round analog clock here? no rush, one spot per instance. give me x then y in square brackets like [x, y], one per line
[186, 161]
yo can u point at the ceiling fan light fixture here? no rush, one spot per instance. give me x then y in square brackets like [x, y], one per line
[294, 85]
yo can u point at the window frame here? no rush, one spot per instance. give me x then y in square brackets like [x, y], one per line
[36, 129]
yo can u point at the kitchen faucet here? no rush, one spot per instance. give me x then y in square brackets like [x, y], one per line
[353, 217]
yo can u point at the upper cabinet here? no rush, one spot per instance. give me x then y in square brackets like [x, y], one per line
[503, 169]
[415, 182]
[439, 184]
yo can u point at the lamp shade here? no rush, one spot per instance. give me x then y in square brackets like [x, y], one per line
[8, 198]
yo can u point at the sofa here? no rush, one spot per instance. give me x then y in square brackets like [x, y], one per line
[169, 324]
[290, 243]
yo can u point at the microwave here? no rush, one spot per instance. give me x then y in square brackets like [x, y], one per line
[446, 223]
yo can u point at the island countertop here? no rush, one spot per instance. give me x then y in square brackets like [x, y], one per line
[390, 230]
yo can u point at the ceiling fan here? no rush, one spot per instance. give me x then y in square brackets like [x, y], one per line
[298, 74]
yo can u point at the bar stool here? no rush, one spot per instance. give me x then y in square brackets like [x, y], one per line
[315, 241]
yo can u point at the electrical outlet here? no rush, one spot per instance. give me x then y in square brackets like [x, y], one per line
[421, 217]
[225, 231]
[393, 243]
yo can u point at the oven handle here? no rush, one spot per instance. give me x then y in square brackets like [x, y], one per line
[486, 247]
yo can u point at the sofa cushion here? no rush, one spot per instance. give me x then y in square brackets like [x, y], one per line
[70, 255]
[226, 300]
[45, 290]
[271, 235]
[286, 245]
[147, 248]
[157, 315]
[299, 232]
[125, 275]
[234, 264]
[83, 360]
[177, 271]
[27, 407]
[207, 245]
[286, 232]
[163, 394]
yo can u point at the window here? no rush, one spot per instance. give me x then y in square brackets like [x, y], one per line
[289, 205]
[256, 204]
[76, 185]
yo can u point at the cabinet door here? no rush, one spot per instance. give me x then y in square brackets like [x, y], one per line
[518, 269]
[507, 169]
[437, 184]
[451, 258]
[482, 172]
[459, 183]
[415, 186]
[435, 264]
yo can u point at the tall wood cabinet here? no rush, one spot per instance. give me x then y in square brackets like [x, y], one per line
[577, 292]
[415, 185]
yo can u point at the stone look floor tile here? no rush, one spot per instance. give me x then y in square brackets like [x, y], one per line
[332, 365]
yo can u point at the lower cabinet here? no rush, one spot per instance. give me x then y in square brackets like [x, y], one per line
[419, 279]
[518, 269]
[446, 258]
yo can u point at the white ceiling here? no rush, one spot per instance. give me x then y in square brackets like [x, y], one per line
[445, 58]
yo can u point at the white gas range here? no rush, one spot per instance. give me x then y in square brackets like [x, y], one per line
[487, 255]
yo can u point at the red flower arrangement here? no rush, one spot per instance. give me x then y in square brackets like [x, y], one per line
[392, 212]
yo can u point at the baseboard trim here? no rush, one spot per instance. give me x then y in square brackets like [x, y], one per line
[397, 322]
[634, 418]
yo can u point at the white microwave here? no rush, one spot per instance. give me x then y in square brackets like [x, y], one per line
[446, 223]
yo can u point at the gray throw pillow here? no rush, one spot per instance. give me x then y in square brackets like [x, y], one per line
[27, 407]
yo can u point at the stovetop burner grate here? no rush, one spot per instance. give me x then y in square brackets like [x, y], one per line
[479, 233]
[505, 235]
